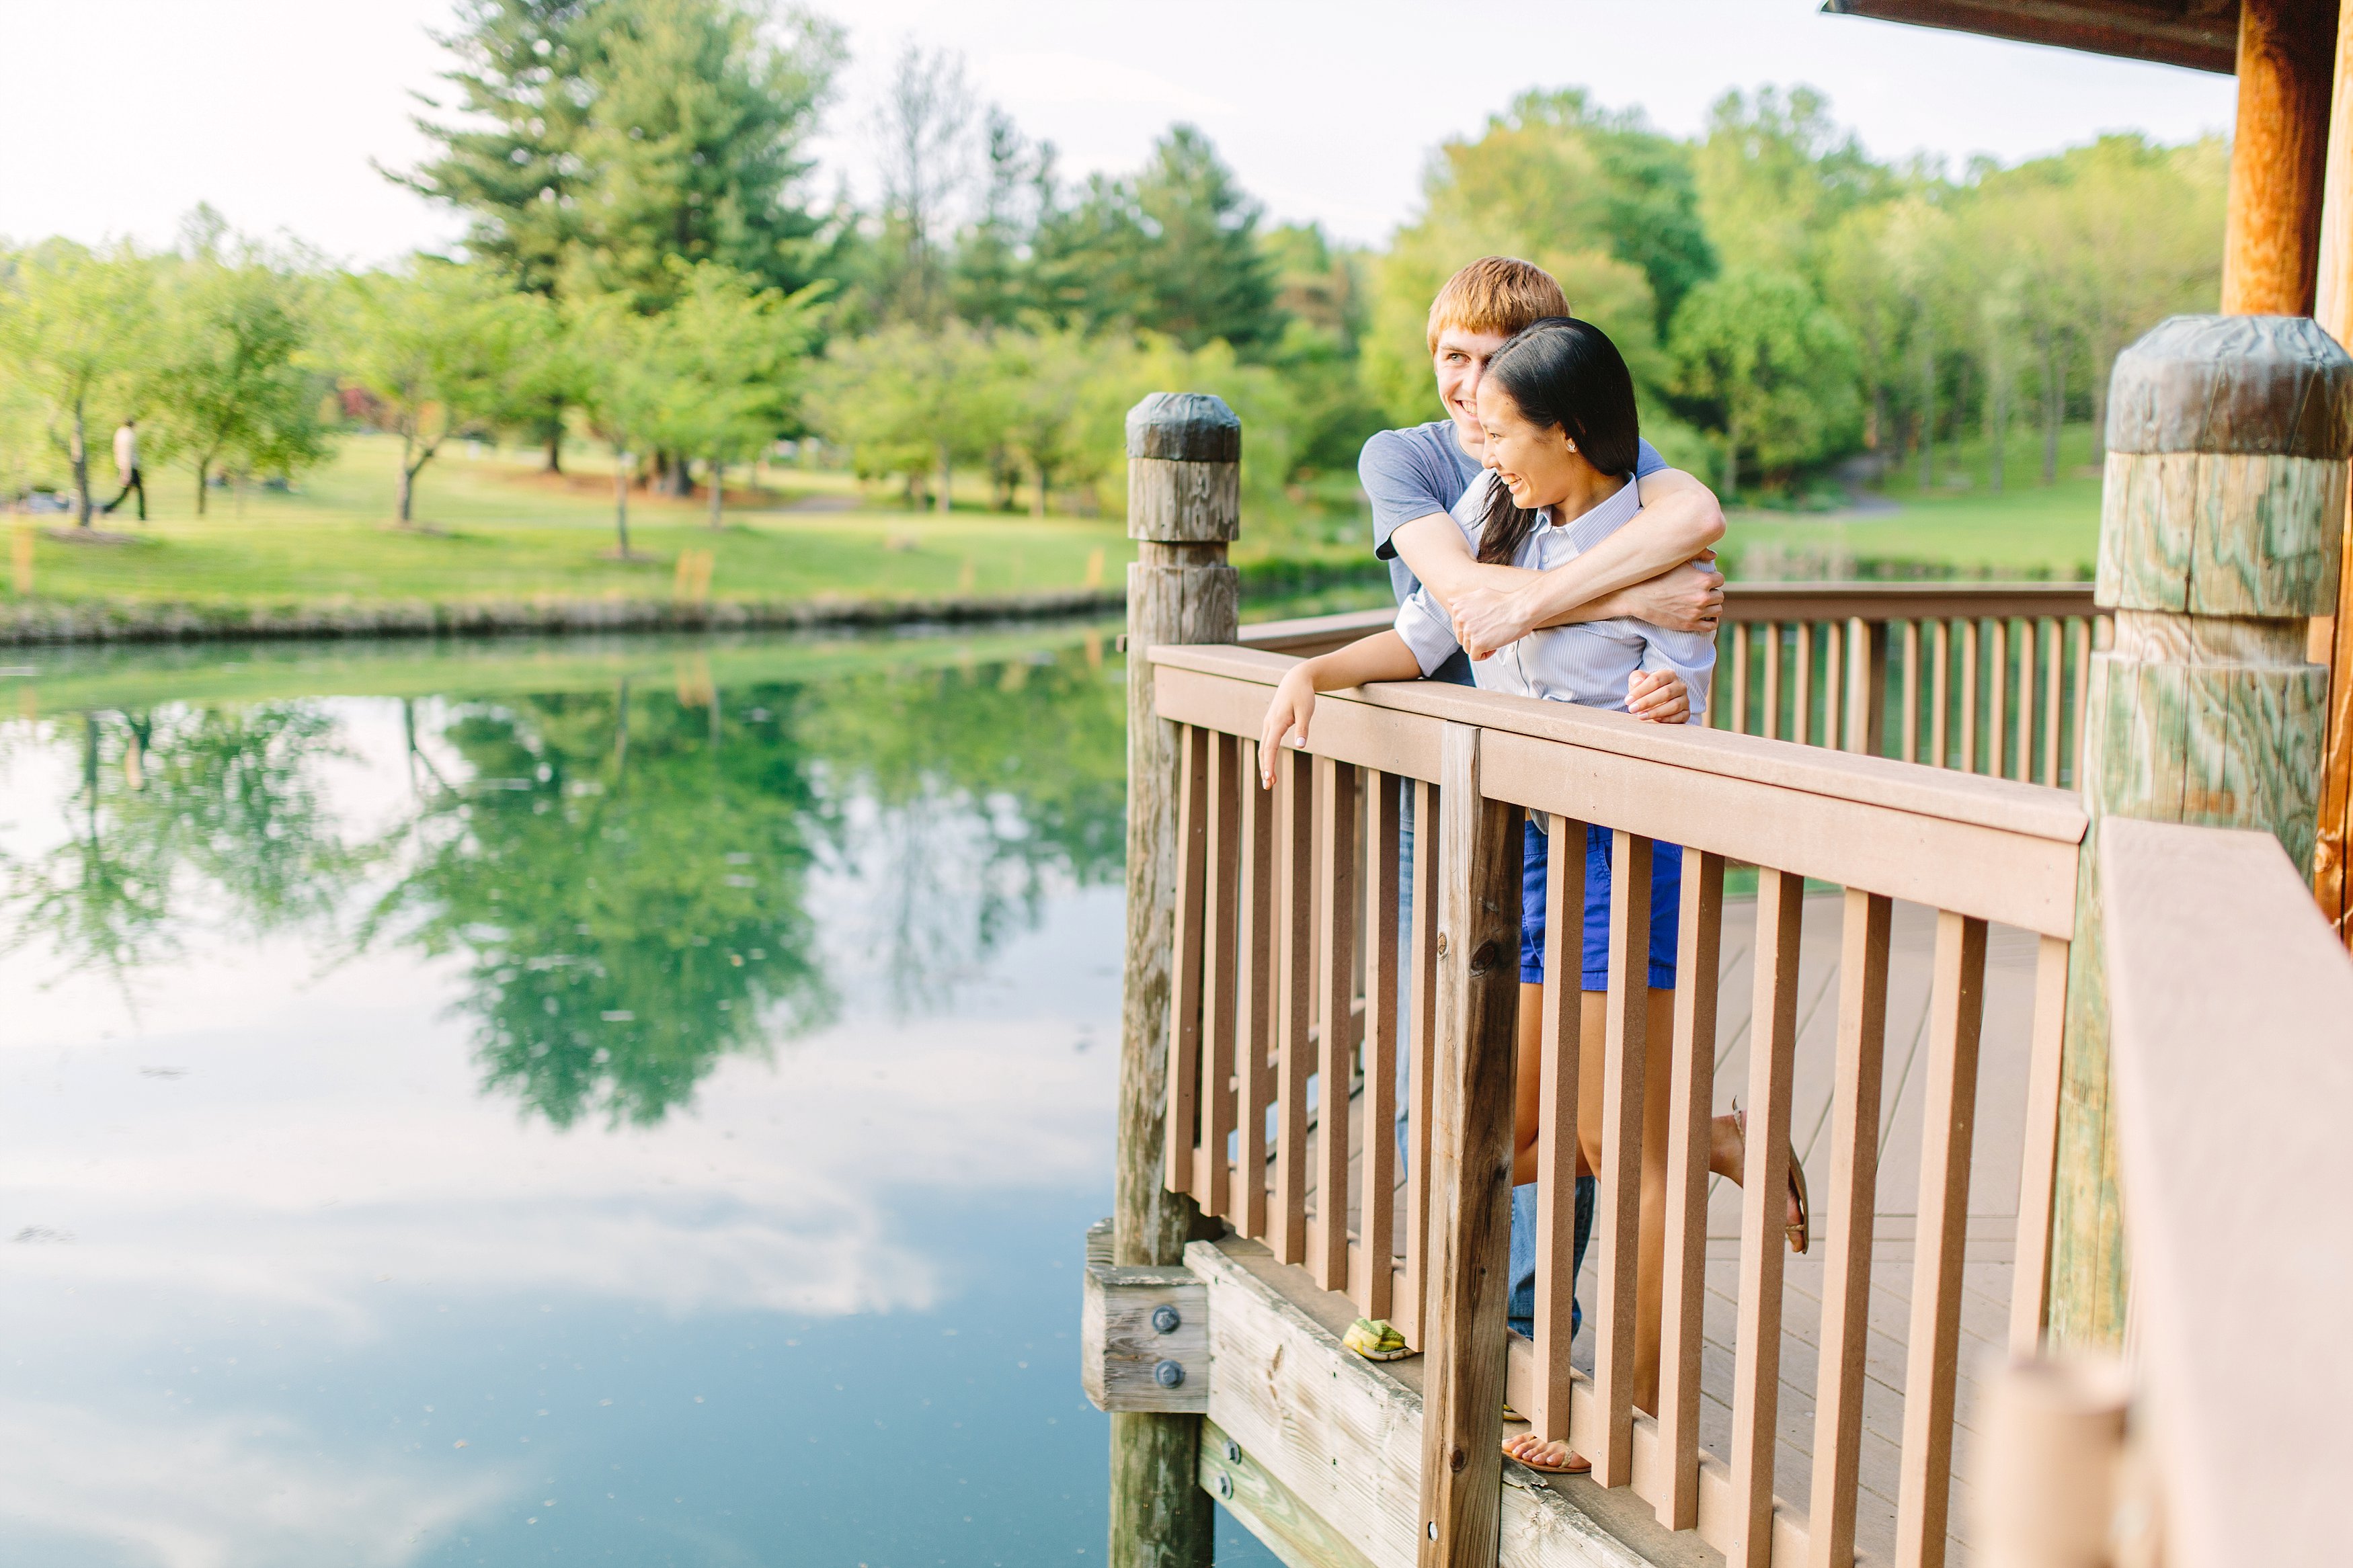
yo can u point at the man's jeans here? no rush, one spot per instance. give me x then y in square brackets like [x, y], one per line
[1521, 1305]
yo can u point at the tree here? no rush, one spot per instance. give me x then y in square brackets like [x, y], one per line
[1043, 382]
[439, 347]
[622, 389]
[992, 283]
[1199, 275]
[1761, 346]
[75, 328]
[1775, 174]
[230, 382]
[729, 355]
[910, 400]
[693, 143]
[920, 129]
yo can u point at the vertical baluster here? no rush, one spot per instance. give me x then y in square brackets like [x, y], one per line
[1184, 960]
[2038, 1166]
[1997, 696]
[1556, 1111]
[1691, 1127]
[1866, 685]
[1764, 1204]
[1421, 1014]
[2082, 638]
[2022, 763]
[1940, 696]
[1911, 690]
[1619, 1218]
[1336, 984]
[1295, 969]
[2052, 687]
[1772, 727]
[1968, 676]
[1218, 953]
[1376, 1205]
[1255, 990]
[1739, 725]
[1932, 1354]
[1801, 721]
[1834, 689]
[1846, 1218]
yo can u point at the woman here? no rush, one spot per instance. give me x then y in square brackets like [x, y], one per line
[1557, 405]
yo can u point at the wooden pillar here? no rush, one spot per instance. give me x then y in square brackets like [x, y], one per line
[1183, 503]
[1470, 1164]
[2332, 642]
[2270, 250]
[2219, 536]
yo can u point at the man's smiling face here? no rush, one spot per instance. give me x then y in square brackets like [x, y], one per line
[1461, 359]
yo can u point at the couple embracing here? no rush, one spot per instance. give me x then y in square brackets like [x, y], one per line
[1538, 546]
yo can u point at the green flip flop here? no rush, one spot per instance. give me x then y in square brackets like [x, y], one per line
[1376, 1340]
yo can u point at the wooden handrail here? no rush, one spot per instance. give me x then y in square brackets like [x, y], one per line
[2230, 1002]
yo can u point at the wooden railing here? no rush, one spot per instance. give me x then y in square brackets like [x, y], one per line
[1983, 678]
[1293, 981]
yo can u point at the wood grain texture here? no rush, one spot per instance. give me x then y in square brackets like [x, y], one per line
[1618, 1212]
[1689, 1129]
[1294, 917]
[1220, 955]
[1185, 426]
[1471, 1163]
[1844, 1224]
[2260, 383]
[1421, 962]
[1773, 1029]
[1183, 501]
[1932, 1353]
[2334, 311]
[1255, 1033]
[1261, 1504]
[1336, 982]
[1374, 1283]
[2271, 232]
[2221, 533]
[1120, 1346]
[1560, 1049]
[1185, 961]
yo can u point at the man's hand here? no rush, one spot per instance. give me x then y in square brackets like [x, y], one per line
[1286, 716]
[1689, 598]
[1488, 620]
[1658, 697]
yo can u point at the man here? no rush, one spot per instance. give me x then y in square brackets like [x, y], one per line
[1659, 567]
[126, 469]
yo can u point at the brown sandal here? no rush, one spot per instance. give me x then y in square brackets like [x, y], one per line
[1799, 1233]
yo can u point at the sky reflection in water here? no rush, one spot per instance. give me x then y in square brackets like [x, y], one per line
[636, 1113]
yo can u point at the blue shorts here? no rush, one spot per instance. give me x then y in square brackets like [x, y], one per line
[1666, 907]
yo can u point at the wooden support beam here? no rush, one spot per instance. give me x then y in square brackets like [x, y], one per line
[1183, 450]
[2332, 642]
[2220, 533]
[1134, 1324]
[1470, 1163]
[2272, 236]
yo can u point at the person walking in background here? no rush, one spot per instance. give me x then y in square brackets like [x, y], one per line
[126, 469]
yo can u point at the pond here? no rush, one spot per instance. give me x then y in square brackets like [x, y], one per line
[526, 1101]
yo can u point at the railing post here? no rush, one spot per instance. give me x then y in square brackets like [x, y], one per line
[1183, 506]
[2226, 480]
[1470, 1164]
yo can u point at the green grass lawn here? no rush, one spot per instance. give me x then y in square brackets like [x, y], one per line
[2027, 528]
[491, 527]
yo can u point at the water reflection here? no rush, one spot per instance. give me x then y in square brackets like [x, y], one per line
[402, 1167]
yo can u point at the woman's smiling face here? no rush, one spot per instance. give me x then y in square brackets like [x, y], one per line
[1538, 463]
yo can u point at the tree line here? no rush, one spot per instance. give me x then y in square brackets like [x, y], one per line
[650, 260]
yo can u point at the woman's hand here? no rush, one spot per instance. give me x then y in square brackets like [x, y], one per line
[1489, 620]
[1658, 697]
[1286, 716]
[1690, 599]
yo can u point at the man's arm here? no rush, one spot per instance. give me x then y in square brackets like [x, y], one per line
[1631, 572]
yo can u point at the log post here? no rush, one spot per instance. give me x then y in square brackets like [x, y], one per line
[1184, 501]
[2219, 536]
[1470, 1164]
[2270, 245]
[2333, 635]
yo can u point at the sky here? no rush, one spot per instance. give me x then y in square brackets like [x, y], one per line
[121, 115]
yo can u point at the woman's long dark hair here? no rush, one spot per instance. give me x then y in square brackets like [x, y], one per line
[1561, 372]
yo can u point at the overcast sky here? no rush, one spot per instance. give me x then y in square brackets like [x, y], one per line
[119, 115]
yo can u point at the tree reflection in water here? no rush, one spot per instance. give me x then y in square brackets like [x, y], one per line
[627, 875]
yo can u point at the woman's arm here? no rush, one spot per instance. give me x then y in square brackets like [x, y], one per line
[1384, 656]
[1679, 521]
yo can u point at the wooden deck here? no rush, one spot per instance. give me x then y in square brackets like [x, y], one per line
[1993, 1202]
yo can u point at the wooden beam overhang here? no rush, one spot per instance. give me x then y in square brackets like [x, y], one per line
[2202, 35]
